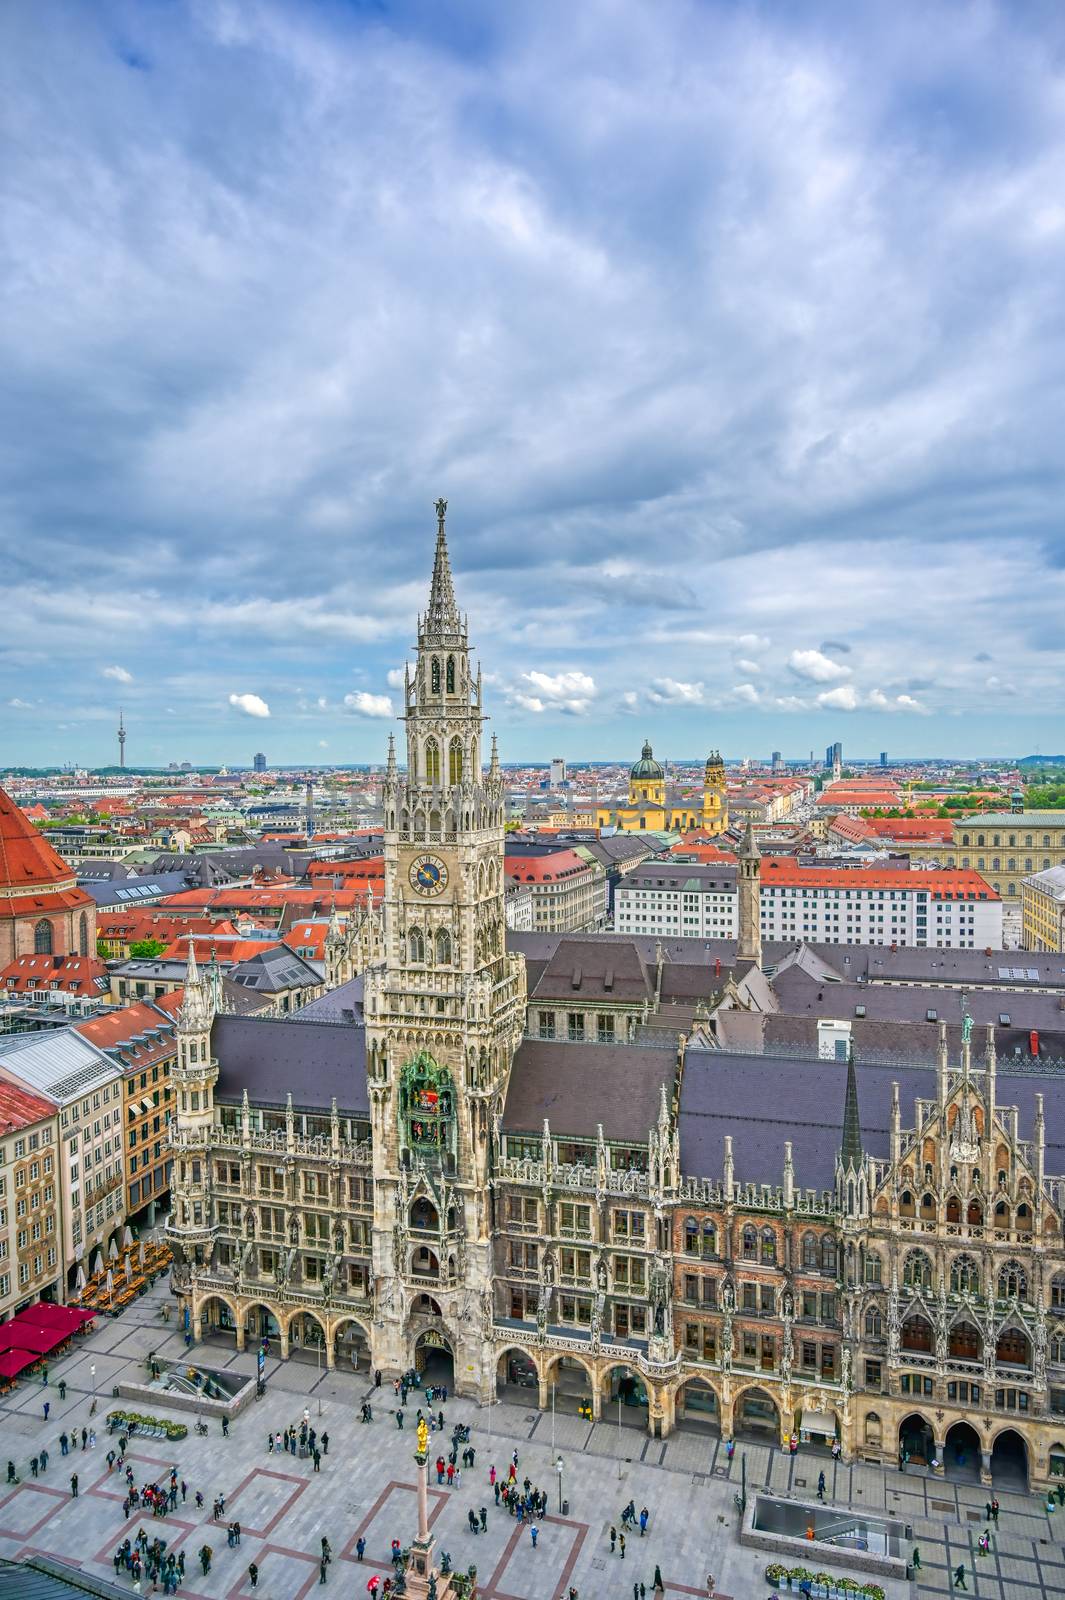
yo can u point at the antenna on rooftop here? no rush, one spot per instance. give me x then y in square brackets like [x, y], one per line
[121, 739]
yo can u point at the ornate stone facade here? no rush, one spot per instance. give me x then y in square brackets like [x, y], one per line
[914, 1302]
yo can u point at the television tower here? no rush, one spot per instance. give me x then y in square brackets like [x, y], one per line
[121, 739]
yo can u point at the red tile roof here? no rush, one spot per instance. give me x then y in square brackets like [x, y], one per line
[32, 876]
[82, 975]
[545, 869]
[948, 884]
[19, 1108]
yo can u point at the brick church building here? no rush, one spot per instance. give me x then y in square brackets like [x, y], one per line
[42, 909]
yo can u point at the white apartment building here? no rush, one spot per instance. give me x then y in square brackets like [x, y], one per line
[948, 910]
[685, 901]
[86, 1086]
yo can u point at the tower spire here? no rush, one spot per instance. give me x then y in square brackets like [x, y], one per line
[121, 739]
[851, 1149]
[443, 614]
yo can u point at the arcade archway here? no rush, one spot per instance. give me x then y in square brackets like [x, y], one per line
[1009, 1461]
[757, 1417]
[306, 1338]
[569, 1386]
[434, 1360]
[696, 1406]
[961, 1454]
[352, 1345]
[260, 1323]
[624, 1392]
[218, 1320]
[916, 1441]
[516, 1377]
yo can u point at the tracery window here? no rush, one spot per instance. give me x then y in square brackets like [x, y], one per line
[42, 938]
[917, 1270]
[1012, 1281]
[432, 762]
[964, 1275]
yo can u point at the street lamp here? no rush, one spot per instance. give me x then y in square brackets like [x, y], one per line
[558, 1469]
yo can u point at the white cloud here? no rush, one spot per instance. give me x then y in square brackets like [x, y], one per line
[119, 674]
[668, 692]
[753, 641]
[746, 694]
[395, 677]
[816, 667]
[323, 744]
[748, 666]
[570, 692]
[20, 705]
[252, 705]
[362, 704]
[845, 698]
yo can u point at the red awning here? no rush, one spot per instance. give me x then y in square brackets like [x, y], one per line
[16, 1335]
[46, 1314]
[12, 1362]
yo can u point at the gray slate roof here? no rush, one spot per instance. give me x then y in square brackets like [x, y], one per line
[577, 1086]
[273, 1057]
[764, 1100]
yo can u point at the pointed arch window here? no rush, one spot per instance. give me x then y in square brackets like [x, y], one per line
[1013, 1281]
[443, 947]
[828, 1253]
[964, 1275]
[42, 938]
[454, 763]
[432, 762]
[434, 675]
[451, 674]
[809, 1250]
[416, 943]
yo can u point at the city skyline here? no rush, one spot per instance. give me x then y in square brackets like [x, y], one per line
[768, 458]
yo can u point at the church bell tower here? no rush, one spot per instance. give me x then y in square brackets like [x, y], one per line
[445, 1010]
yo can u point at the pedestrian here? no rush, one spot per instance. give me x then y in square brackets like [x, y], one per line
[253, 1575]
[47, 1408]
[658, 1584]
[44, 1460]
[325, 1443]
[495, 1487]
[64, 1443]
[84, 1437]
[994, 1510]
[225, 1427]
[377, 1378]
[399, 1419]
[360, 1547]
[62, 1388]
[820, 1486]
[613, 1539]
[322, 1565]
[730, 1448]
[492, 1476]
[959, 1578]
[205, 1558]
[317, 1461]
[915, 1561]
[73, 1486]
[621, 1545]
[484, 1519]
[33, 1465]
[709, 1586]
[534, 1532]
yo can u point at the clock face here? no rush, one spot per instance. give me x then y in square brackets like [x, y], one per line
[428, 875]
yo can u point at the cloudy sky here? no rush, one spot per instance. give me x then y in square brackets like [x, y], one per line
[732, 333]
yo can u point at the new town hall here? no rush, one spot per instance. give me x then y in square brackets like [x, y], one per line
[527, 1163]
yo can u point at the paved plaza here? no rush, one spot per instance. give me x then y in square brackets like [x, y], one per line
[367, 1487]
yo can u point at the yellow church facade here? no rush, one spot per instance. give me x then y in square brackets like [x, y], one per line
[652, 808]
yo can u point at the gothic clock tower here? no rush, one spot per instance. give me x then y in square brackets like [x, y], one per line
[444, 1011]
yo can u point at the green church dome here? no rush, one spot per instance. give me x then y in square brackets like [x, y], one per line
[647, 767]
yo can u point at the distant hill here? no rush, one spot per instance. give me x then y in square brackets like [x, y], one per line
[1042, 761]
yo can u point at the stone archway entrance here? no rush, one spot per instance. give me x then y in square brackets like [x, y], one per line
[260, 1323]
[696, 1407]
[516, 1378]
[626, 1395]
[569, 1387]
[916, 1441]
[352, 1346]
[306, 1338]
[434, 1359]
[217, 1320]
[1009, 1461]
[757, 1417]
[961, 1453]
